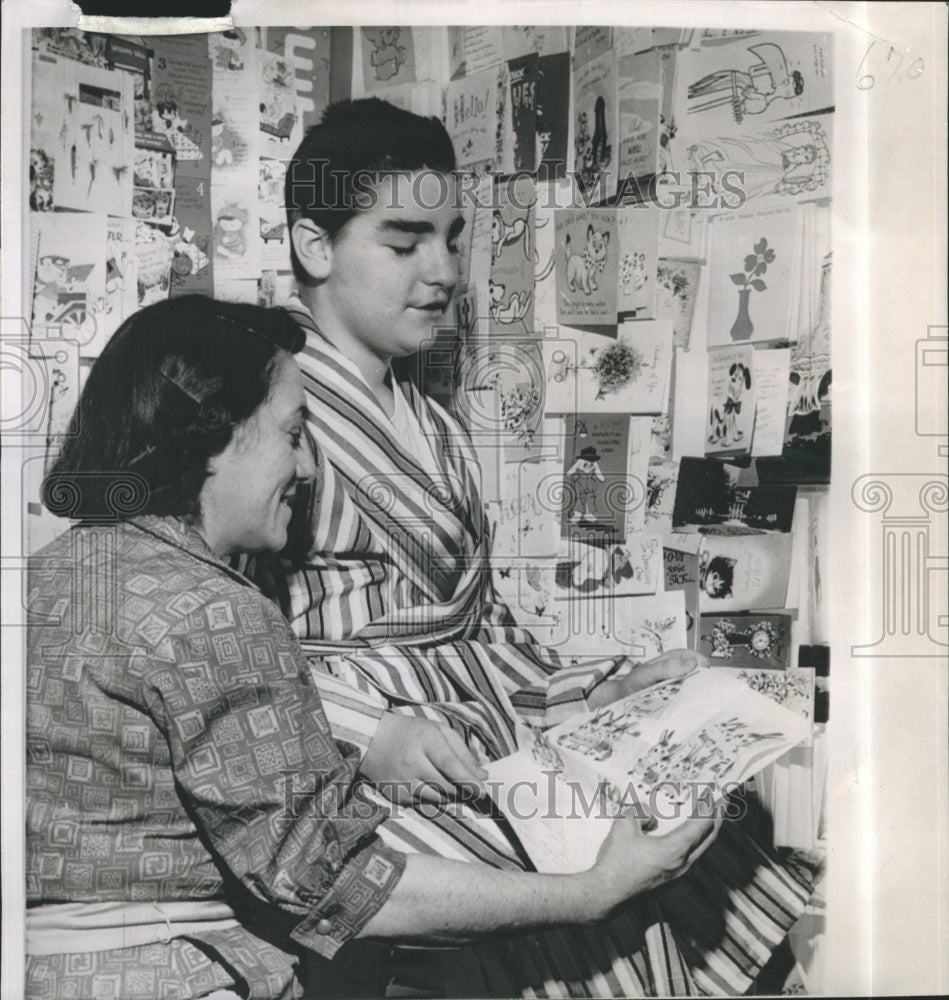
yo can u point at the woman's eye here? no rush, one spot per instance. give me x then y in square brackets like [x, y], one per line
[403, 251]
[454, 248]
[297, 438]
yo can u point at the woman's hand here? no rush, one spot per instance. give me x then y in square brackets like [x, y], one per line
[666, 666]
[411, 757]
[631, 862]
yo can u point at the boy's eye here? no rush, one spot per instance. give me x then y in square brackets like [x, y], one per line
[454, 248]
[403, 251]
[296, 438]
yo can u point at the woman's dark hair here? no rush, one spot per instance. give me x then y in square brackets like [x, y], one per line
[353, 141]
[162, 399]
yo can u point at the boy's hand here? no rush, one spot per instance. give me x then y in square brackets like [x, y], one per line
[631, 862]
[411, 757]
[664, 667]
[667, 666]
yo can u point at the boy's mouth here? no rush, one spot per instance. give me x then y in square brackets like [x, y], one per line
[436, 306]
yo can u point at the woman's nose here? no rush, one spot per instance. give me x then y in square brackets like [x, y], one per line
[306, 458]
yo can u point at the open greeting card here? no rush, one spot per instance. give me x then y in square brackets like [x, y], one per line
[657, 751]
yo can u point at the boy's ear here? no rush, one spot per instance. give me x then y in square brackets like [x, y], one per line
[313, 248]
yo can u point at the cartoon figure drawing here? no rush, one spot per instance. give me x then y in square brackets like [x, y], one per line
[587, 473]
[41, 181]
[223, 141]
[596, 569]
[716, 575]
[503, 235]
[789, 160]
[593, 152]
[514, 310]
[229, 236]
[386, 57]
[723, 421]
[750, 91]
[165, 117]
[582, 268]
[227, 49]
[188, 257]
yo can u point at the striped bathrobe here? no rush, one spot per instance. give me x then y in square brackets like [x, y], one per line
[396, 606]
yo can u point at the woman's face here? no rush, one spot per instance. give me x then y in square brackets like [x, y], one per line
[247, 498]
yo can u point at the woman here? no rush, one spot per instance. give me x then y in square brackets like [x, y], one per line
[191, 822]
[395, 596]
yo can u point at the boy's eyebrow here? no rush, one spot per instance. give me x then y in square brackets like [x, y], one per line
[420, 228]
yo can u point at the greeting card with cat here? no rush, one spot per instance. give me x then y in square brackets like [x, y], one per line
[586, 267]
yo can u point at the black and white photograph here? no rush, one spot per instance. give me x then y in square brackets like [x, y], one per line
[430, 546]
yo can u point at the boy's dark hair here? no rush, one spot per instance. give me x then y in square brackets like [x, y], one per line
[161, 400]
[337, 157]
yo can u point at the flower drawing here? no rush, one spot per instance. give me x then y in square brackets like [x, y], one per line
[615, 367]
[756, 264]
[520, 407]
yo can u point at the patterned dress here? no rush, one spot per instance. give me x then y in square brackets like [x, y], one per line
[177, 751]
[395, 601]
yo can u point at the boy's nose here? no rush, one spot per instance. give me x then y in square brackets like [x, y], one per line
[442, 268]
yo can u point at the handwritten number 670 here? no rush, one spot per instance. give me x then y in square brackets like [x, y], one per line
[913, 71]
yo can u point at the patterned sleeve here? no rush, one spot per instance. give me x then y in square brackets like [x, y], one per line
[256, 763]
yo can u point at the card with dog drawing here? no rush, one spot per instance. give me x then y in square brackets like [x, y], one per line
[586, 266]
[623, 569]
[605, 457]
[731, 401]
[596, 126]
[743, 572]
[511, 281]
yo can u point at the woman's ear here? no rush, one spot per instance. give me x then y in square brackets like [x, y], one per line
[313, 248]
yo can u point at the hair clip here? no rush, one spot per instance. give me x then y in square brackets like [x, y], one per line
[142, 455]
[194, 387]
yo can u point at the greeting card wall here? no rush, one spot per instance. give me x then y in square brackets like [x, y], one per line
[652, 289]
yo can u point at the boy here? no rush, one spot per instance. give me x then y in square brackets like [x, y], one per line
[417, 664]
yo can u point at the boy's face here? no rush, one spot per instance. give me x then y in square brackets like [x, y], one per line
[394, 266]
